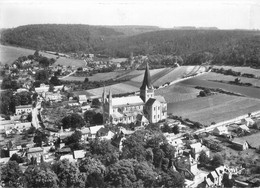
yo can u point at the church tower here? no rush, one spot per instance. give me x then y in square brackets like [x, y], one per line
[146, 90]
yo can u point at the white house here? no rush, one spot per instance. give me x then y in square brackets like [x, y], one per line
[223, 130]
[23, 109]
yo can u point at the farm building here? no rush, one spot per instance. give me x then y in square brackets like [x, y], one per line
[197, 148]
[248, 121]
[240, 144]
[82, 99]
[126, 109]
[220, 130]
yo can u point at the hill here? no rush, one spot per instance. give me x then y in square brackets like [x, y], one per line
[195, 46]
[58, 37]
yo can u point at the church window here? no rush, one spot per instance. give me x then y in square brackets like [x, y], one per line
[129, 118]
[154, 108]
[158, 116]
[154, 116]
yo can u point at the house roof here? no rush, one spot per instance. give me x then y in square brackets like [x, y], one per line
[222, 128]
[68, 156]
[85, 130]
[208, 182]
[95, 129]
[239, 141]
[244, 127]
[35, 149]
[78, 154]
[214, 174]
[150, 101]
[64, 150]
[103, 130]
[82, 97]
[23, 106]
[130, 100]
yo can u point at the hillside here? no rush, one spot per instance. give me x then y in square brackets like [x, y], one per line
[224, 47]
[58, 37]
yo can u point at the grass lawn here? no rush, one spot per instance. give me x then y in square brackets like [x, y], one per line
[8, 54]
[241, 69]
[219, 77]
[214, 108]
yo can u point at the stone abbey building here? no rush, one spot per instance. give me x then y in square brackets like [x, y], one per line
[132, 109]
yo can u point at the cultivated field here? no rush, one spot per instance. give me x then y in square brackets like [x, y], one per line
[178, 73]
[214, 108]
[241, 69]
[221, 77]
[177, 93]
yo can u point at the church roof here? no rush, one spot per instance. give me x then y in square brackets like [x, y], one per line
[124, 101]
[147, 79]
[150, 101]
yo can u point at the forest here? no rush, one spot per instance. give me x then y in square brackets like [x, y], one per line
[224, 47]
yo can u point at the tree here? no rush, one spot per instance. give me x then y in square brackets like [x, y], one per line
[171, 179]
[51, 88]
[203, 158]
[217, 161]
[68, 174]
[122, 173]
[16, 158]
[11, 174]
[42, 76]
[98, 119]
[40, 136]
[176, 129]
[158, 157]
[145, 173]
[86, 80]
[96, 102]
[38, 176]
[90, 166]
[44, 62]
[55, 81]
[73, 121]
[133, 147]
[88, 116]
[105, 151]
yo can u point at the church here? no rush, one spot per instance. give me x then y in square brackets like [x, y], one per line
[143, 109]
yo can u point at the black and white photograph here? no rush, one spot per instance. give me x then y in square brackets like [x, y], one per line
[129, 93]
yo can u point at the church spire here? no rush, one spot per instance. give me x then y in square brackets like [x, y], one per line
[147, 79]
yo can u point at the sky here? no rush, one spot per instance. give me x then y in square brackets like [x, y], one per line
[224, 14]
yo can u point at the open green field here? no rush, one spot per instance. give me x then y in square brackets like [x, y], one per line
[222, 77]
[241, 69]
[177, 93]
[214, 108]
[8, 54]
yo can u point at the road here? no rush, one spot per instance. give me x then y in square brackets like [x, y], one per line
[235, 120]
[35, 112]
[68, 75]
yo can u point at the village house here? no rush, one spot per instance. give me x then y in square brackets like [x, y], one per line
[197, 148]
[240, 144]
[223, 130]
[50, 96]
[93, 131]
[35, 152]
[42, 88]
[105, 134]
[247, 121]
[23, 109]
[82, 99]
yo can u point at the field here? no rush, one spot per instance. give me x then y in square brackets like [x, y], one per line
[214, 108]
[221, 77]
[177, 93]
[241, 69]
[177, 73]
[8, 54]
